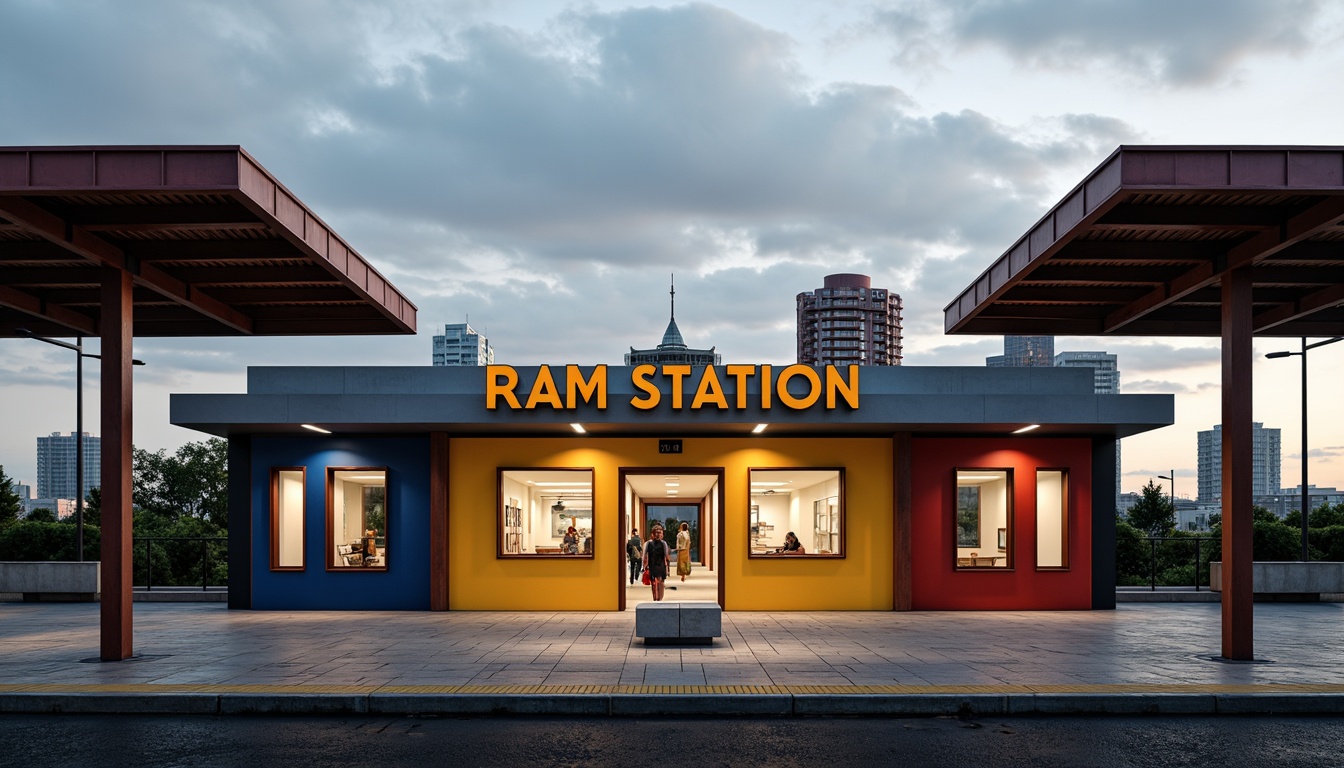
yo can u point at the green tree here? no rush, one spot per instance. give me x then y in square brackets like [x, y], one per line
[1326, 515]
[42, 515]
[1153, 514]
[10, 504]
[93, 507]
[193, 482]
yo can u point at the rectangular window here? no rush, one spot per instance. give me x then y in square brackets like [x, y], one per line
[545, 513]
[983, 519]
[357, 515]
[1052, 518]
[798, 511]
[287, 551]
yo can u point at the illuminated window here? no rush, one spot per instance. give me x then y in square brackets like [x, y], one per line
[983, 519]
[357, 518]
[545, 513]
[1052, 519]
[287, 552]
[796, 512]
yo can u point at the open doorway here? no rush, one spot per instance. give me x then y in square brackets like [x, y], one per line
[673, 497]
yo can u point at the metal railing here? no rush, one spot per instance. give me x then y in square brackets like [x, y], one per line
[1152, 555]
[205, 555]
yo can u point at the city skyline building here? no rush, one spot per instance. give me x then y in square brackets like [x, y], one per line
[56, 466]
[24, 490]
[672, 350]
[1024, 352]
[1105, 381]
[848, 322]
[460, 344]
[1266, 455]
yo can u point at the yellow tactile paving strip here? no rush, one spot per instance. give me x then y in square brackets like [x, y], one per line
[700, 690]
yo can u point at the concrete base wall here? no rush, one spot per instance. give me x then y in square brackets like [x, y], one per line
[1287, 578]
[52, 580]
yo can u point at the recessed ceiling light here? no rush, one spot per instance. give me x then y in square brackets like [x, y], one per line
[1027, 428]
[316, 429]
[758, 429]
[578, 428]
[672, 492]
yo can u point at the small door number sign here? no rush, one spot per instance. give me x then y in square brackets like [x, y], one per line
[669, 446]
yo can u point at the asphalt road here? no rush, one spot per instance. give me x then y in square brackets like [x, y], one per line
[130, 740]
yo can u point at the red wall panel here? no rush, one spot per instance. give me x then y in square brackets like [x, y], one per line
[937, 585]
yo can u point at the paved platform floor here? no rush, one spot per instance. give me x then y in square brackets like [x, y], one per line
[1138, 649]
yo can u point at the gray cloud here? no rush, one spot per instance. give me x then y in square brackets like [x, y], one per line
[1190, 43]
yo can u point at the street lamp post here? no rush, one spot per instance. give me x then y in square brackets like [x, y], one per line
[1306, 496]
[80, 354]
[1172, 478]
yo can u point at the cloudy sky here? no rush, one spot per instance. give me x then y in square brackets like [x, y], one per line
[541, 168]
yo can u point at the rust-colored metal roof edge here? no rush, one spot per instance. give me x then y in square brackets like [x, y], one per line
[252, 184]
[1081, 207]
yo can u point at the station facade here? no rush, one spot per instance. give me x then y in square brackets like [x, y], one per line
[502, 488]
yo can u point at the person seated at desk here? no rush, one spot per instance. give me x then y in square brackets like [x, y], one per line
[792, 546]
[570, 544]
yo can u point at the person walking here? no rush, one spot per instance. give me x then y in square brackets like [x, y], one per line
[684, 551]
[656, 555]
[634, 550]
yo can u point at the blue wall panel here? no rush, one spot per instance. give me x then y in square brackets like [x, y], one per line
[405, 583]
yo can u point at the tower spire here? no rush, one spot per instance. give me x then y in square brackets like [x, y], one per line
[674, 296]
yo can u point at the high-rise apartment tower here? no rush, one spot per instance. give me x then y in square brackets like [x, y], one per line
[849, 322]
[56, 465]
[460, 344]
[1265, 462]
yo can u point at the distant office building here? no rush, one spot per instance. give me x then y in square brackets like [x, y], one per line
[1025, 352]
[56, 465]
[673, 349]
[1265, 459]
[849, 322]
[63, 508]
[1105, 369]
[460, 344]
[1290, 499]
[1105, 381]
[23, 490]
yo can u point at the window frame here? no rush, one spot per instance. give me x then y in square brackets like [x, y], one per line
[275, 519]
[1010, 515]
[1065, 514]
[842, 533]
[329, 522]
[500, 497]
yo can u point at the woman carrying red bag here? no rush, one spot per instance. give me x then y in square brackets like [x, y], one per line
[656, 556]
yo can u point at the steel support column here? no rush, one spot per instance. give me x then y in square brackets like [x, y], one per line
[1238, 597]
[115, 326]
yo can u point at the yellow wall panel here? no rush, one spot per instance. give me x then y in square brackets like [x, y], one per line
[862, 580]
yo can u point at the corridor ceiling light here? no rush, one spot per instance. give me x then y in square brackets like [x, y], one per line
[763, 483]
[578, 428]
[672, 492]
[316, 429]
[672, 485]
[580, 484]
[758, 429]
[1027, 428]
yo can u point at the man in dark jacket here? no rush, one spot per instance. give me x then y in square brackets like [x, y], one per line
[634, 549]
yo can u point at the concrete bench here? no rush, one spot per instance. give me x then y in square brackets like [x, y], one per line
[51, 580]
[688, 623]
[1287, 581]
